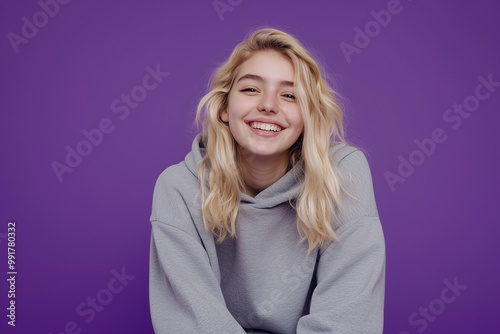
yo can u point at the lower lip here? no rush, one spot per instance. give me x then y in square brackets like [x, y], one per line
[263, 133]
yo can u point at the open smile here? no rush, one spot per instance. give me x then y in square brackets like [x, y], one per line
[265, 126]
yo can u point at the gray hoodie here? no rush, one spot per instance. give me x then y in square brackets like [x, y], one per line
[262, 281]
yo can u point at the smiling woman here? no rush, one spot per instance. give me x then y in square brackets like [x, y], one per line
[264, 118]
[270, 224]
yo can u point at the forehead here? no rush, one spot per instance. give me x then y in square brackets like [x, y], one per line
[270, 65]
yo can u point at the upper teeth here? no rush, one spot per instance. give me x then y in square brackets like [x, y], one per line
[265, 126]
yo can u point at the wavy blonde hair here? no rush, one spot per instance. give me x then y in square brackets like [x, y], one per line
[218, 171]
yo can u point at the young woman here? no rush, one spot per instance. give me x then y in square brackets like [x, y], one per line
[269, 225]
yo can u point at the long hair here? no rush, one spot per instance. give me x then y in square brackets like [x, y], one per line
[218, 171]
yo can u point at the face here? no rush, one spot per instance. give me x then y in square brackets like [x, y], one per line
[263, 114]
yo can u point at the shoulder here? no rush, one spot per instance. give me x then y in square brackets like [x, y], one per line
[340, 151]
[350, 160]
[355, 178]
[176, 197]
[182, 176]
[177, 176]
[170, 184]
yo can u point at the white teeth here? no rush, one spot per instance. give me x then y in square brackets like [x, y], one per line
[265, 126]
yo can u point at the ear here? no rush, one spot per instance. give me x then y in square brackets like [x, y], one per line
[224, 116]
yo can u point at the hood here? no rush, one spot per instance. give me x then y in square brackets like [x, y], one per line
[282, 191]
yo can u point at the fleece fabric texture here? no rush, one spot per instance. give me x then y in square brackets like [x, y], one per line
[262, 281]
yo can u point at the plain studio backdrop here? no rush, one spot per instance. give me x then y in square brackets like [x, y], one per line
[98, 97]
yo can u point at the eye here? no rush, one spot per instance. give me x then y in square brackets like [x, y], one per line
[289, 96]
[251, 90]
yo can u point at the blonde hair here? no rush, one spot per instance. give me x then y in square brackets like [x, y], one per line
[218, 171]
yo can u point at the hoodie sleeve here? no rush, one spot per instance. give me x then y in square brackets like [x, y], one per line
[349, 295]
[185, 295]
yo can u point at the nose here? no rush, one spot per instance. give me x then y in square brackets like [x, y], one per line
[268, 103]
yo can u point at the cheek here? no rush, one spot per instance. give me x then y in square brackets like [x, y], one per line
[238, 108]
[296, 118]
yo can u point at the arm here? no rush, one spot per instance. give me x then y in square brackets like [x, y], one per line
[185, 296]
[349, 296]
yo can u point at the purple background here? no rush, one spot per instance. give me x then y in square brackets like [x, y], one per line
[440, 224]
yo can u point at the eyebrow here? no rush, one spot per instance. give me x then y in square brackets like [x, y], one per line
[259, 78]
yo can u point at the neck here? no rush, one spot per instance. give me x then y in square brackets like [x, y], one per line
[260, 173]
